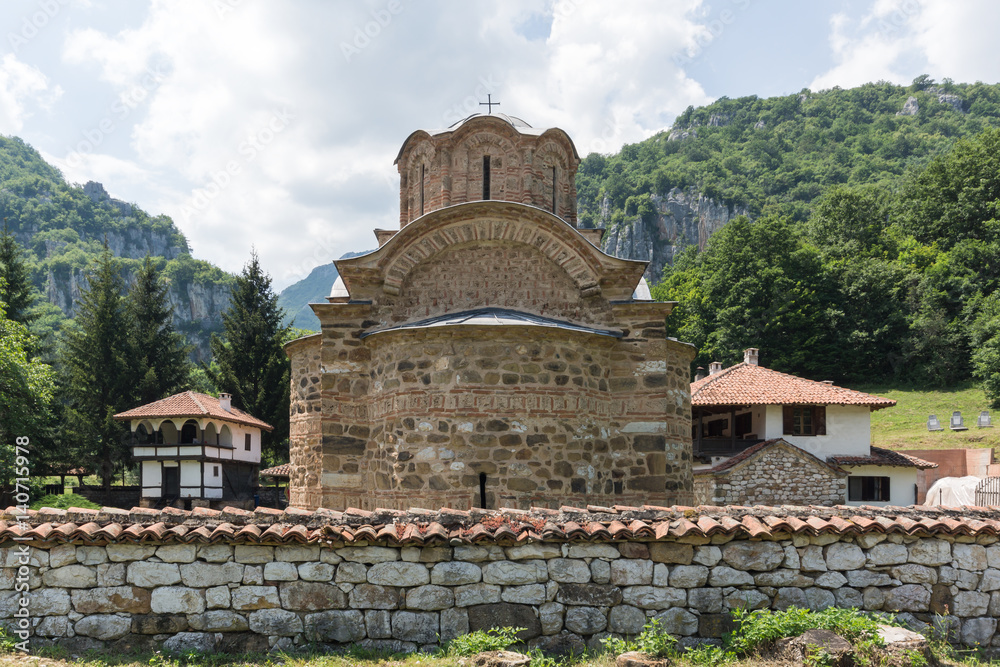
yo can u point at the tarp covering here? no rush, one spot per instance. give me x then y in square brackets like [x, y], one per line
[953, 491]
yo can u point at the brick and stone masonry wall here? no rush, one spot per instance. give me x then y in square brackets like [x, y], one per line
[236, 596]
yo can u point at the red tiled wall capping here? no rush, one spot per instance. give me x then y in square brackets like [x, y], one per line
[505, 527]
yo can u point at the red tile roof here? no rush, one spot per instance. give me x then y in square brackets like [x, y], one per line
[191, 404]
[750, 452]
[884, 457]
[506, 527]
[284, 470]
[748, 384]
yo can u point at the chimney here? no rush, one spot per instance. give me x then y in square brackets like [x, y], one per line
[226, 402]
[750, 356]
[715, 367]
[827, 381]
[699, 374]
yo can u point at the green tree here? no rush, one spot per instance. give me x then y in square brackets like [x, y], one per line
[158, 358]
[250, 362]
[986, 348]
[98, 372]
[17, 293]
[26, 384]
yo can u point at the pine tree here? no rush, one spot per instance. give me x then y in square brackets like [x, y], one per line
[250, 361]
[97, 369]
[159, 355]
[16, 292]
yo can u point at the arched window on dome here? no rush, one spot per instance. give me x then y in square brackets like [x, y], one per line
[486, 177]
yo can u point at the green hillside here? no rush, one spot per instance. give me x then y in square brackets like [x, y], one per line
[62, 227]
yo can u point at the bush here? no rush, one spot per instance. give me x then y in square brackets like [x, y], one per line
[62, 502]
[652, 641]
[494, 639]
[757, 629]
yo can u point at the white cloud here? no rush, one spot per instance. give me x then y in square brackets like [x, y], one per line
[21, 87]
[897, 40]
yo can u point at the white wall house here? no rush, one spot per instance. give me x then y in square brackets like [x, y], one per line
[195, 448]
[739, 407]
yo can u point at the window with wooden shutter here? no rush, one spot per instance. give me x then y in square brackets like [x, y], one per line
[787, 418]
[819, 419]
[803, 419]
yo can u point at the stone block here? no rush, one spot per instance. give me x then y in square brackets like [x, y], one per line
[791, 560]
[978, 632]
[930, 552]
[727, 576]
[329, 556]
[250, 598]
[757, 556]
[177, 600]
[541, 550]
[70, 576]
[253, 554]
[970, 557]
[311, 596]
[205, 575]
[125, 551]
[589, 595]
[705, 600]
[678, 622]
[368, 555]
[873, 598]
[600, 571]
[430, 598]
[111, 574]
[652, 597]
[629, 572]
[280, 571]
[372, 596]
[316, 572]
[831, 580]
[687, 576]
[454, 623]
[151, 575]
[782, 578]
[626, 620]
[550, 616]
[296, 553]
[352, 573]
[128, 599]
[456, 573]
[887, 553]
[715, 625]
[848, 598]
[420, 627]
[747, 599]
[253, 575]
[971, 603]
[819, 598]
[503, 614]
[812, 560]
[177, 553]
[476, 594]
[341, 627]
[566, 571]
[44, 602]
[91, 555]
[707, 556]
[605, 551]
[218, 621]
[564, 644]
[215, 553]
[911, 573]
[844, 556]
[378, 623]
[527, 594]
[908, 597]
[790, 597]
[670, 552]
[864, 578]
[586, 620]
[187, 642]
[103, 626]
[478, 553]
[63, 554]
[217, 597]
[398, 573]
[276, 622]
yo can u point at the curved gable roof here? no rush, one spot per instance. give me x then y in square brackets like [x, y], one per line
[192, 404]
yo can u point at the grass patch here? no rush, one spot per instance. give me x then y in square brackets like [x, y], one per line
[64, 501]
[904, 426]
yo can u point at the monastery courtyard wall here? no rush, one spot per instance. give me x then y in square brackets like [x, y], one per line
[240, 581]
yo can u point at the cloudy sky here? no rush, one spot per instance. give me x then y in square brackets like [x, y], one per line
[275, 124]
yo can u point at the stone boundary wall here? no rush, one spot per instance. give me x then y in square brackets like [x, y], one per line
[228, 594]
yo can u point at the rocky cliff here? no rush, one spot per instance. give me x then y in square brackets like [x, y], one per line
[683, 217]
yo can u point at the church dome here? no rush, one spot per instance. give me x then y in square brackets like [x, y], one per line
[514, 121]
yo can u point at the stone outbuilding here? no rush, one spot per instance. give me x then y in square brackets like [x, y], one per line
[489, 354]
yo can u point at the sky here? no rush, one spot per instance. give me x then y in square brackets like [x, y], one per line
[273, 126]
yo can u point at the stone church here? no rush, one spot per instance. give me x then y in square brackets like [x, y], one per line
[489, 354]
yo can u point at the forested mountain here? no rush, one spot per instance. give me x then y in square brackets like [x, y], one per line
[314, 288]
[62, 227]
[856, 232]
[777, 155]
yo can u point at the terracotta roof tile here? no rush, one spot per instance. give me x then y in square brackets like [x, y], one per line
[749, 384]
[192, 404]
[424, 527]
[884, 457]
[283, 470]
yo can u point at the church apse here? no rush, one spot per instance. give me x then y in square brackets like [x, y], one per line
[488, 354]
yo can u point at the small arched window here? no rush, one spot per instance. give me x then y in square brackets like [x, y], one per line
[189, 432]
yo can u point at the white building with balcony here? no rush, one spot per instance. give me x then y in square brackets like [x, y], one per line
[195, 450]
